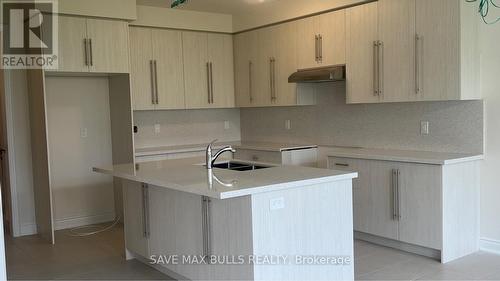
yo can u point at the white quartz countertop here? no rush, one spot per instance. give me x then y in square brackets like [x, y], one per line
[189, 175]
[422, 157]
[264, 146]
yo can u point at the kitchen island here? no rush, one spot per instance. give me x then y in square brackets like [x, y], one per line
[271, 223]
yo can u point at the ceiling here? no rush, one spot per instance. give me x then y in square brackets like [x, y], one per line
[233, 7]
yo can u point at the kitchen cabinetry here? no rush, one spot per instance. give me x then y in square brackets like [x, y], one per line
[399, 201]
[245, 60]
[298, 157]
[264, 59]
[156, 69]
[410, 203]
[166, 156]
[92, 45]
[208, 70]
[411, 50]
[136, 217]
[361, 54]
[321, 40]
[372, 193]
[447, 54]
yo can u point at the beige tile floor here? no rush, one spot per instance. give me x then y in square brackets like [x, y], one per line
[374, 262]
[100, 257]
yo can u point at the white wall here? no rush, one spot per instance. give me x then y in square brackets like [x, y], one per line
[183, 19]
[490, 89]
[80, 196]
[276, 11]
[19, 137]
[99, 8]
[181, 127]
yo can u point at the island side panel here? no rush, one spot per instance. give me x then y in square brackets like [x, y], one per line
[461, 200]
[314, 220]
[231, 237]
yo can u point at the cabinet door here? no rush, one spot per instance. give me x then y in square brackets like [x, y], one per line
[420, 205]
[332, 31]
[397, 32]
[72, 33]
[438, 25]
[245, 47]
[361, 32]
[109, 48]
[167, 52]
[162, 240]
[141, 56]
[372, 195]
[220, 55]
[266, 51]
[134, 225]
[285, 64]
[382, 222]
[362, 204]
[306, 43]
[196, 78]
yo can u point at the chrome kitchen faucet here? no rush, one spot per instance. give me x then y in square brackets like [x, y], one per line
[211, 159]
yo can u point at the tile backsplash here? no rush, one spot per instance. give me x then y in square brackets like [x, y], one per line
[455, 126]
[179, 127]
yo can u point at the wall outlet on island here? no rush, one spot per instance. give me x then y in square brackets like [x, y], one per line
[424, 128]
[157, 128]
[227, 125]
[288, 125]
[277, 203]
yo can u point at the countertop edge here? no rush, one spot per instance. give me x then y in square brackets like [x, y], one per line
[416, 160]
[152, 151]
[288, 185]
[236, 193]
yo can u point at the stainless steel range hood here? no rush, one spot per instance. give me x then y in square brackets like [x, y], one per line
[332, 73]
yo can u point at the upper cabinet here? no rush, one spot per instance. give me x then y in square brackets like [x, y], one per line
[321, 40]
[361, 37]
[108, 46]
[157, 75]
[92, 45]
[411, 50]
[264, 59]
[447, 55]
[208, 70]
[171, 69]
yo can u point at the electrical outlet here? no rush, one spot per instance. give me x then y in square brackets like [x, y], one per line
[277, 203]
[288, 124]
[227, 125]
[83, 133]
[424, 128]
[157, 128]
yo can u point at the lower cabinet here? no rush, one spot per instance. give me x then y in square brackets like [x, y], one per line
[300, 157]
[166, 156]
[417, 204]
[136, 217]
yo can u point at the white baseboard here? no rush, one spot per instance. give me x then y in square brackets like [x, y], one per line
[490, 245]
[85, 220]
[28, 229]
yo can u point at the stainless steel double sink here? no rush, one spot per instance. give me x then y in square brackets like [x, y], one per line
[239, 166]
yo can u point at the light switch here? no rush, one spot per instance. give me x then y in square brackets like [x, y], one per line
[83, 133]
[424, 128]
[157, 128]
[277, 203]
